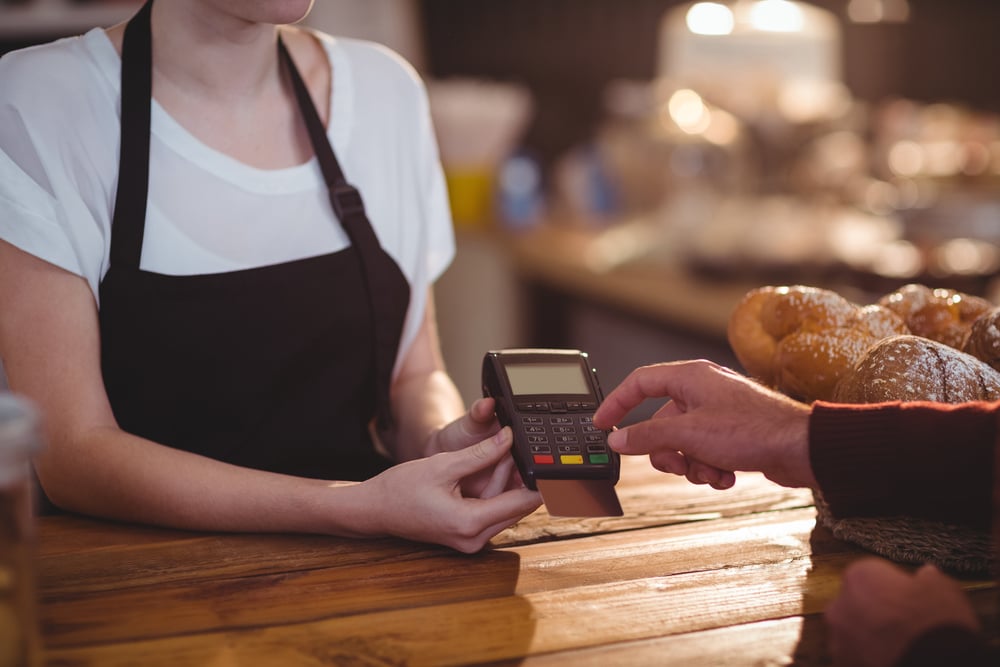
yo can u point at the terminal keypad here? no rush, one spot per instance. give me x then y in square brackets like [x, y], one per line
[563, 433]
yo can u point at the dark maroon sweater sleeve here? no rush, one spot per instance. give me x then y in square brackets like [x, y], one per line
[947, 645]
[926, 460]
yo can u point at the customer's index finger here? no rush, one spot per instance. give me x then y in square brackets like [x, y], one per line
[642, 383]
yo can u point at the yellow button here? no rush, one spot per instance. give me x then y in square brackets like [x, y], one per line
[571, 458]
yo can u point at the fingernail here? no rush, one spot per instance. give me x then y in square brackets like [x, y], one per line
[617, 439]
[503, 436]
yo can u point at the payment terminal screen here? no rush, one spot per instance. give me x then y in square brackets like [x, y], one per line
[547, 379]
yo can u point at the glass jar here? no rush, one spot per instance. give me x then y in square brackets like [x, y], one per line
[20, 439]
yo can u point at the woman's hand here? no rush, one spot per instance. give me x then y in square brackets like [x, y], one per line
[881, 609]
[477, 424]
[716, 422]
[424, 499]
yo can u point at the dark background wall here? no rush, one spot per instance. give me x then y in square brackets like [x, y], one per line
[567, 50]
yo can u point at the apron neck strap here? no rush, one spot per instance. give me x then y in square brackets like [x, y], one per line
[133, 156]
[350, 209]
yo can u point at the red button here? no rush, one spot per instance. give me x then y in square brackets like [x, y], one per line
[544, 458]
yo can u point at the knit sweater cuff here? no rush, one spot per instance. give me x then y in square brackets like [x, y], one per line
[919, 459]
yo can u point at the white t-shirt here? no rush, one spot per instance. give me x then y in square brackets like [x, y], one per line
[207, 212]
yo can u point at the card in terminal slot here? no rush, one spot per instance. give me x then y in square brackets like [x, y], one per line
[579, 497]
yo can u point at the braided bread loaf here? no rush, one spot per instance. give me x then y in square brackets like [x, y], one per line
[914, 368]
[803, 340]
[983, 341]
[943, 315]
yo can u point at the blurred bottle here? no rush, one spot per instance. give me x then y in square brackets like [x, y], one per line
[478, 123]
[20, 439]
[520, 194]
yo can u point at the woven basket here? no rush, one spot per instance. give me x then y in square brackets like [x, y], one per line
[959, 550]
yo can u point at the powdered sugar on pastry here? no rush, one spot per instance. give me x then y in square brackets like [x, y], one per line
[912, 368]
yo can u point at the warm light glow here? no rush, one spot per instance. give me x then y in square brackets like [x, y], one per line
[967, 256]
[723, 130]
[899, 259]
[805, 100]
[688, 111]
[944, 158]
[878, 11]
[710, 18]
[858, 238]
[776, 16]
[906, 158]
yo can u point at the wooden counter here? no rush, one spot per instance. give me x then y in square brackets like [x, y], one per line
[689, 576]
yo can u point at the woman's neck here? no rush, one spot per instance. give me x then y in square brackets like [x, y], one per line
[217, 73]
[201, 49]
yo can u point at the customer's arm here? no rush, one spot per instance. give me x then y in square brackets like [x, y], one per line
[922, 459]
[927, 460]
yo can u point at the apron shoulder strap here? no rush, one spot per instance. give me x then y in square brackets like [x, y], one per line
[377, 267]
[127, 222]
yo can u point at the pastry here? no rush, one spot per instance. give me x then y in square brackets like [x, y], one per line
[914, 368]
[943, 315]
[802, 340]
[983, 341]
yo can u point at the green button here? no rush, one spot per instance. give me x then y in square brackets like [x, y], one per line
[598, 458]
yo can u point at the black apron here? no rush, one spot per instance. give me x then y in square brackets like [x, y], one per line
[278, 368]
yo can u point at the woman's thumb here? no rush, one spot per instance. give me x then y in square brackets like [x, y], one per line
[483, 454]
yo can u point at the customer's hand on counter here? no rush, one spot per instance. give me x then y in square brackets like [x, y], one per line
[882, 609]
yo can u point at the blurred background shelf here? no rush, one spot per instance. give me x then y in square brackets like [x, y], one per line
[647, 233]
[39, 19]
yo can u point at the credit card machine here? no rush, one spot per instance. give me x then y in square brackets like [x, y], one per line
[548, 398]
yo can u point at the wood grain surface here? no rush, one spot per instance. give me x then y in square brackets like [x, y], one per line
[688, 576]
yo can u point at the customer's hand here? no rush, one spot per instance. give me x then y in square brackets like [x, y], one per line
[423, 499]
[717, 421]
[882, 608]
